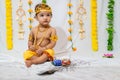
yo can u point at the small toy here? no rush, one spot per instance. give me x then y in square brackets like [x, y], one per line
[57, 62]
[64, 62]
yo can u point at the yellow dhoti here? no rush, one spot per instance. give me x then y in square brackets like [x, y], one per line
[28, 54]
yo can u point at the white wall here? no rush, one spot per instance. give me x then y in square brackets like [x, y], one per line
[59, 19]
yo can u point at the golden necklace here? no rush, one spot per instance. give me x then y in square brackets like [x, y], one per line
[42, 30]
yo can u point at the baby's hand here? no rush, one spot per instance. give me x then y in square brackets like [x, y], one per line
[39, 51]
[32, 48]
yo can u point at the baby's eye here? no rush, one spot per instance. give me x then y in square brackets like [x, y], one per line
[48, 14]
[41, 15]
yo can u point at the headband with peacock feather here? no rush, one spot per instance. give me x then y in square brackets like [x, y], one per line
[43, 7]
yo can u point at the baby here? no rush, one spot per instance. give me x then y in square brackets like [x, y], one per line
[42, 38]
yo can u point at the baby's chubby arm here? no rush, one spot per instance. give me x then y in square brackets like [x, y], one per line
[53, 39]
[31, 40]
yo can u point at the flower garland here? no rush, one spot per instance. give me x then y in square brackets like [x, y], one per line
[30, 13]
[110, 29]
[9, 36]
[94, 25]
[70, 22]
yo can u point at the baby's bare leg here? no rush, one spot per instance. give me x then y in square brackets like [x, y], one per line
[36, 60]
[43, 58]
[33, 57]
[28, 63]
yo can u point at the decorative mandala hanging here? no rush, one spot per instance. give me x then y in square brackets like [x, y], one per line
[81, 15]
[21, 18]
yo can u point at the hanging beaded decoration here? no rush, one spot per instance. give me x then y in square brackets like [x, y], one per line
[70, 22]
[81, 15]
[21, 17]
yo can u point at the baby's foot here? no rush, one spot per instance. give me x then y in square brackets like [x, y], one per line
[28, 63]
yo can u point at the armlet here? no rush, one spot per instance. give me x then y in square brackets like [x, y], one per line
[54, 38]
[30, 38]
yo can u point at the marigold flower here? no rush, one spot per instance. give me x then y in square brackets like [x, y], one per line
[69, 4]
[30, 10]
[70, 22]
[95, 48]
[70, 13]
[29, 2]
[69, 38]
[74, 48]
[30, 26]
[30, 19]
[70, 29]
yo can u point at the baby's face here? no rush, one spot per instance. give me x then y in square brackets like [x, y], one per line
[44, 18]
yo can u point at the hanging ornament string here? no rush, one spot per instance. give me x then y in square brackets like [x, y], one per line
[21, 18]
[70, 22]
[81, 15]
[9, 36]
[110, 29]
[30, 13]
[94, 25]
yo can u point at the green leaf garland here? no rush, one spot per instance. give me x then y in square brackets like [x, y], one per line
[110, 29]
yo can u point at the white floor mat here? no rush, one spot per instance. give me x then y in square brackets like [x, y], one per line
[80, 69]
